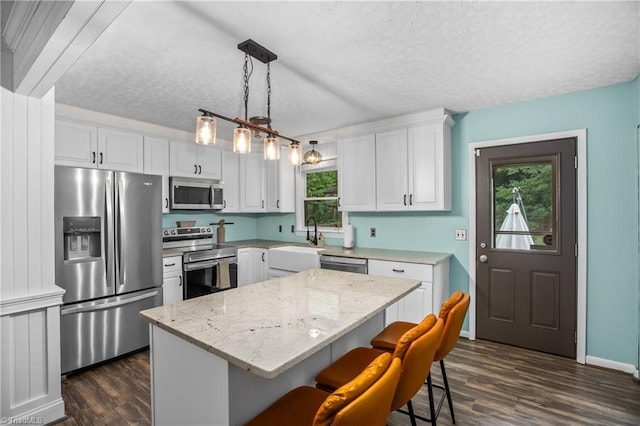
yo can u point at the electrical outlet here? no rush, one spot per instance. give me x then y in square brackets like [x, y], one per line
[279, 228]
[461, 234]
[373, 232]
[293, 228]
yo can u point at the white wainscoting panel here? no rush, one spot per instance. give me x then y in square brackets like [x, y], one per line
[30, 389]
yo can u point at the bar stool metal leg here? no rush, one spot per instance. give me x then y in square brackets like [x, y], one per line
[446, 387]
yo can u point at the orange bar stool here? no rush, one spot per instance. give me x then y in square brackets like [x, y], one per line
[452, 312]
[365, 400]
[416, 348]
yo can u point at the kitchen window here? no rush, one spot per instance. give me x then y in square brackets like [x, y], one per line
[318, 198]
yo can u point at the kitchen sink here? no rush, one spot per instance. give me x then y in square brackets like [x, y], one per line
[294, 258]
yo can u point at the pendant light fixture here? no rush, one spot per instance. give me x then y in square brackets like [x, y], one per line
[312, 157]
[295, 153]
[206, 123]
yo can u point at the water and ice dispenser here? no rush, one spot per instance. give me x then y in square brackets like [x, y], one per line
[81, 238]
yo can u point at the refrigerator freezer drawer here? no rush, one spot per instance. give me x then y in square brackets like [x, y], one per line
[92, 332]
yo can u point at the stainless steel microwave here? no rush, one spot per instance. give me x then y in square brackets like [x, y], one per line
[195, 194]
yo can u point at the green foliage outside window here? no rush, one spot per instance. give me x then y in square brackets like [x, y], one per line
[321, 198]
[536, 189]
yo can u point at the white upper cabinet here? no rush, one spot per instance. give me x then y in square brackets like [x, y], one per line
[280, 184]
[252, 183]
[429, 162]
[392, 185]
[88, 146]
[231, 181]
[357, 173]
[120, 150]
[189, 159]
[156, 162]
[413, 168]
[76, 144]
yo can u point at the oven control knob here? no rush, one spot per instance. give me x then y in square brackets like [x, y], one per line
[208, 229]
[202, 230]
[166, 232]
[173, 232]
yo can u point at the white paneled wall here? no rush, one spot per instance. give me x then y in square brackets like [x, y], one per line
[30, 389]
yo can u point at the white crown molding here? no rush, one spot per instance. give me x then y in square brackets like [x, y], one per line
[16, 24]
[438, 115]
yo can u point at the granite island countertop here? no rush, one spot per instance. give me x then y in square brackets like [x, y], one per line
[268, 327]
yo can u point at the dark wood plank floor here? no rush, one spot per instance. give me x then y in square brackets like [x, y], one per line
[492, 384]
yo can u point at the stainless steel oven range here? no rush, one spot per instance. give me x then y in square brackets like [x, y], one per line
[207, 267]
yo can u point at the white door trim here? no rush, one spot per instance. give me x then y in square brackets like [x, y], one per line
[581, 135]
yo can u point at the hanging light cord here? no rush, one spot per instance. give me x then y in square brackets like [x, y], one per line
[247, 75]
[269, 94]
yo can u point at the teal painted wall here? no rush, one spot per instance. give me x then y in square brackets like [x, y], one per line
[637, 96]
[610, 115]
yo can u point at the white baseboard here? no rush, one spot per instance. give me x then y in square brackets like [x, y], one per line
[612, 365]
[464, 333]
[636, 375]
[45, 414]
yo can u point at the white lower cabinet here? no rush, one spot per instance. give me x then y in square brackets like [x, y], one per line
[260, 265]
[253, 265]
[422, 301]
[245, 266]
[172, 290]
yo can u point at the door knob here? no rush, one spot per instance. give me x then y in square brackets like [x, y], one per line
[483, 258]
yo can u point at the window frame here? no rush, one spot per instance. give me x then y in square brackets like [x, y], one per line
[329, 163]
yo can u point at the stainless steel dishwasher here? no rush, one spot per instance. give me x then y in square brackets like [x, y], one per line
[346, 264]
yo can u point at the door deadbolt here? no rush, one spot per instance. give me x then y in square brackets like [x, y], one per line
[483, 245]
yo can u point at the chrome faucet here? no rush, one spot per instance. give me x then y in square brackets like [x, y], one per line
[313, 241]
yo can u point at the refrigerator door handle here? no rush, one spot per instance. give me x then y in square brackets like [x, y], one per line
[107, 305]
[118, 233]
[108, 261]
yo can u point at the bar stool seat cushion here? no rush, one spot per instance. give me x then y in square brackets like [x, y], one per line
[300, 405]
[346, 368]
[370, 372]
[386, 340]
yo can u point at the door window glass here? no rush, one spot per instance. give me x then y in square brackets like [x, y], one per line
[524, 204]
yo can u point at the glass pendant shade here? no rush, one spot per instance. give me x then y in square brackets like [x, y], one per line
[312, 157]
[271, 148]
[206, 130]
[295, 154]
[242, 140]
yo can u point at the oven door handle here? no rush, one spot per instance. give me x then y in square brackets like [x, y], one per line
[200, 265]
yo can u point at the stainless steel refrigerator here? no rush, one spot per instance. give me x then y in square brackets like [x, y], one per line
[108, 230]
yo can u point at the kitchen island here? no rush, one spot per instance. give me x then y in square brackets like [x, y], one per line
[222, 358]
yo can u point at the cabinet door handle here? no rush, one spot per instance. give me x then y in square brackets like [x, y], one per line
[195, 171]
[404, 199]
[278, 204]
[166, 203]
[100, 158]
[263, 204]
[338, 201]
[199, 170]
[263, 257]
[224, 204]
[179, 280]
[410, 199]
[398, 270]
[170, 264]
[93, 157]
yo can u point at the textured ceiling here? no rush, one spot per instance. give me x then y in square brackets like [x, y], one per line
[343, 63]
